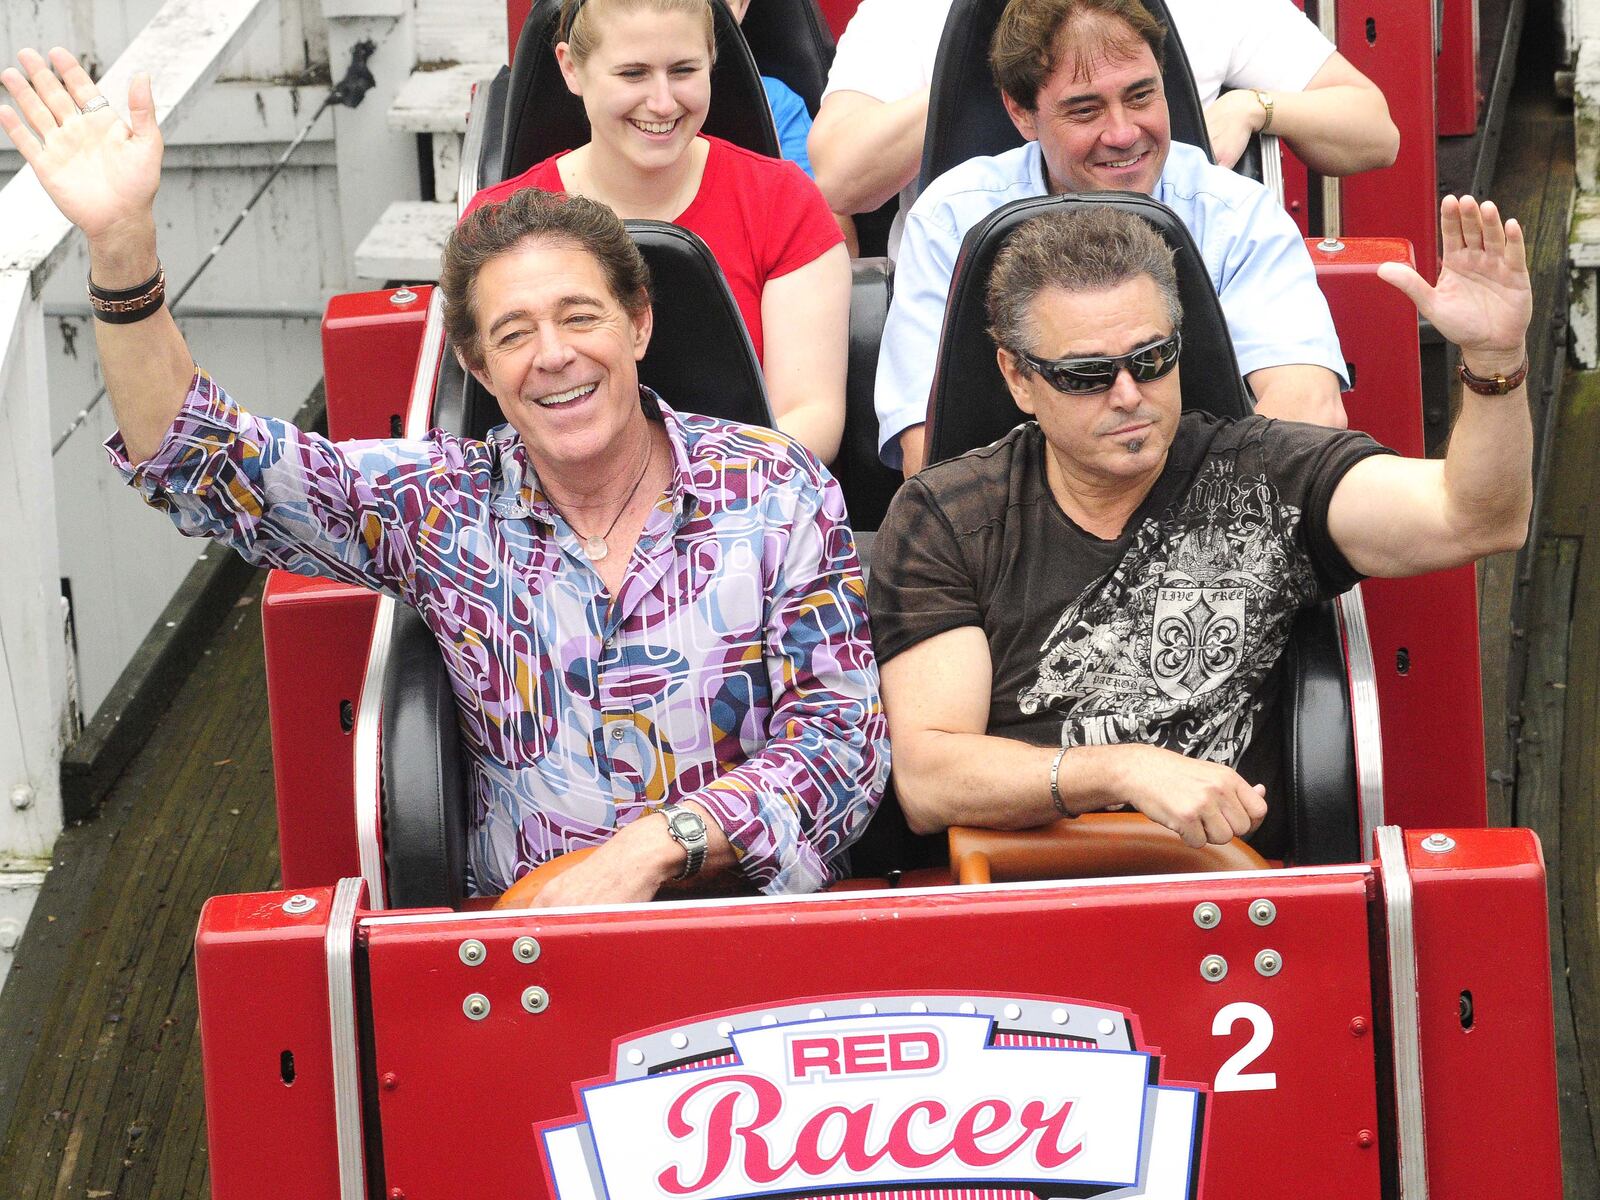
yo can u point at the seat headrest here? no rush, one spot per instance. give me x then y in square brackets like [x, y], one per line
[544, 118]
[790, 41]
[970, 405]
[967, 118]
[700, 357]
[867, 484]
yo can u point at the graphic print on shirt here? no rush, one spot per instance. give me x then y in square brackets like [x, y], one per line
[1171, 646]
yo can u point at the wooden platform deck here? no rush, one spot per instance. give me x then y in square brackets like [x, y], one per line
[100, 1081]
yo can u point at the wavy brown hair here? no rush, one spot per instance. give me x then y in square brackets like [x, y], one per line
[531, 215]
[1022, 53]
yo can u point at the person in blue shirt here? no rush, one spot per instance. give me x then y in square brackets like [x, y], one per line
[789, 112]
[1095, 116]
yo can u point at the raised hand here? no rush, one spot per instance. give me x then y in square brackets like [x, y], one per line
[101, 172]
[1483, 300]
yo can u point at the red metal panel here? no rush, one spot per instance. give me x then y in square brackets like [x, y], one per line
[838, 14]
[317, 633]
[516, 15]
[1458, 69]
[369, 357]
[1424, 630]
[460, 1097]
[1392, 44]
[1296, 189]
[1489, 1091]
[262, 979]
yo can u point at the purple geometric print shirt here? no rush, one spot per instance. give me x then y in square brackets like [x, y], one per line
[734, 669]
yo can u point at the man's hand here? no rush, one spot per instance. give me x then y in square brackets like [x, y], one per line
[1483, 300]
[628, 869]
[101, 173]
[1199, 801]
[1230, 120]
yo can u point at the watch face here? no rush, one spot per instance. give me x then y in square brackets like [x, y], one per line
[686, 825]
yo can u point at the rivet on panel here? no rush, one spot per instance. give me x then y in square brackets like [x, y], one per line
[1013, 1012]
[298, 904]
[476, 1006]
[535, 999]
[1106, 1026]
[1207, 915]
[1269, 963]
[1358, 1027]
[680, 1041]
[472, 952]
[1059, 1016]
[636, 1057]
[525, 949]
[1213, 968]
[1438, 843]
[390, 1081]
[1364, 1139]
[402, 296]
[1263, 912]
[397, 1193]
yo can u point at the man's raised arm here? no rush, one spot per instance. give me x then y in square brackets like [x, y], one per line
[102, 174]
[1396, 516]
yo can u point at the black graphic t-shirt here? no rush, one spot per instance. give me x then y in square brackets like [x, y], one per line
[1168, 634]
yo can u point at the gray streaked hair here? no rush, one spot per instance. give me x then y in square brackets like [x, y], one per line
[1090, 249]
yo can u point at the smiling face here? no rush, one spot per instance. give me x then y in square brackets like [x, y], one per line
[1101, 119]
[1117, 438]
[560, 354]
[645, 86]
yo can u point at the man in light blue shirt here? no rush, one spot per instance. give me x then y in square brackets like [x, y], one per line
[1096, 119]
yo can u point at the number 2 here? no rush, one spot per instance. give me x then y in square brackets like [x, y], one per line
[1232, 1076]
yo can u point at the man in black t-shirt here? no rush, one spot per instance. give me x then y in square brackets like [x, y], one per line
[1087, 613]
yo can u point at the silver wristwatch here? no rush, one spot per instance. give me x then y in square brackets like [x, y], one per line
[689, 831]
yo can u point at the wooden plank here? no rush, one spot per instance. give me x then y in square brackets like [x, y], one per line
[1540, 802]
[111, 1098]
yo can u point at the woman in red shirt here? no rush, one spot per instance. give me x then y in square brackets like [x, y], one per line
[643, 71]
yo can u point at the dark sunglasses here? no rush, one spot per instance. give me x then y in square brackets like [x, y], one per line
[1087, 376]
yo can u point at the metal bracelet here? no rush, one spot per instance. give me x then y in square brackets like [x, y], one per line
[1055, 786]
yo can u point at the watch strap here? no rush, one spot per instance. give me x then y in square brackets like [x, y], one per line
[1493, 385]
[688, 829]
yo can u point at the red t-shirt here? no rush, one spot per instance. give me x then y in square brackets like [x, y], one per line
[760, 216]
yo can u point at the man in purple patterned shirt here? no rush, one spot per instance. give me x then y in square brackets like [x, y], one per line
[654, 622]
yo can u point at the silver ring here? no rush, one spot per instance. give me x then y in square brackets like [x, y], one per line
[95, 105]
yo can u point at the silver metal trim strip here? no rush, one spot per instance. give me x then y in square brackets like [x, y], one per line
[470, 170]
[368, 751]
[366, 745]
[1366, 717]
[340, 942]
[1354, 871]
[1403, 1013]
[1272, 165]
[1332, 214]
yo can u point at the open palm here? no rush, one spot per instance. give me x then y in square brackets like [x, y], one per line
[102, 173]
[1483, 300]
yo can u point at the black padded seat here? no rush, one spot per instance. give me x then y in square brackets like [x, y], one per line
[967, 118]
[790, 41]
[424, 808]
[868, 485]
[543, 118]
[970, 405]
[1319, 757]
[700, 357]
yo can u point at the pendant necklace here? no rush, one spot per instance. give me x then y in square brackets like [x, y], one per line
[594, 545]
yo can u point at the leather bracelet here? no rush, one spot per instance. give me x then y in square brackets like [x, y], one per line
[1055, 786]
[1494, 385]
[127, 305]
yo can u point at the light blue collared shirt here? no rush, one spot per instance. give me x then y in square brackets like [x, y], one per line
[1258, 263]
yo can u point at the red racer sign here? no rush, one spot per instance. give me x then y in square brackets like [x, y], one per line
[896, 1096]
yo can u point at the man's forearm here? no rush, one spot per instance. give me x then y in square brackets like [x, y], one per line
[945, 779]
[1488, 468]
[863, 152]
[1337, 130]
[146, 365]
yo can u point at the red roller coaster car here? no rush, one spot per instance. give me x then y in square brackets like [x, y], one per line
[1370, 1019]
